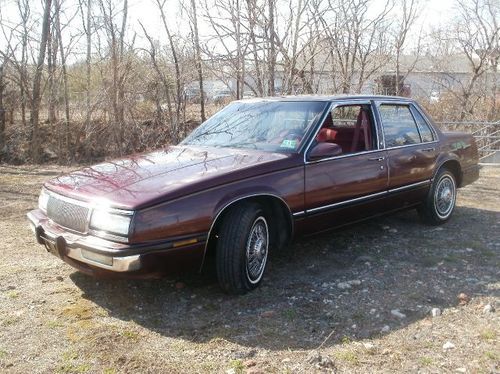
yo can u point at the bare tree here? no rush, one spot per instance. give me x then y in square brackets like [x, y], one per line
[178, 79]
[254, 12]
[2, 109]
[24, 11]
[119, 71]
[271, 34]
[406, 20]
[265, 46]
[477, 33]
[357, 40]
[166, 86]
[36, 97]
[226, 19]
[197, 47]
[52, 50]
[64, 75]
[86, 16]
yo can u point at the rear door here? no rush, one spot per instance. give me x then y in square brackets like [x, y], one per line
[411, 146]
[342, 188]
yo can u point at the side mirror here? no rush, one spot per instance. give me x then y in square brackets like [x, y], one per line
[324, 150]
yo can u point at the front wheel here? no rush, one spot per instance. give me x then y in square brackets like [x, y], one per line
[242, 248]
[440, 202]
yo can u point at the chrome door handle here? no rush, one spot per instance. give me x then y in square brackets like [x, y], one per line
[428, 149]
[381, 158]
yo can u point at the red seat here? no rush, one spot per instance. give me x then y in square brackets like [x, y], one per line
[361, 140]
[350, 139]
[344, 138]
[326, 135]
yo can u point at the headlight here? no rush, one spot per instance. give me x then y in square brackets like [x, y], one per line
[43, 200]
[102, 220]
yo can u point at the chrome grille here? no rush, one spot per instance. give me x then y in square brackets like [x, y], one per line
[67, 214]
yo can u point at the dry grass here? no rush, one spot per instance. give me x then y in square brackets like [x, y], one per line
[54, 319]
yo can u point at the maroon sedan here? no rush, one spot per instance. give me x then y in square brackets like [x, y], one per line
[248, 180]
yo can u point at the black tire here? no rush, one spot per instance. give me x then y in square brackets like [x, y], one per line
[440, 201]
[243, 241]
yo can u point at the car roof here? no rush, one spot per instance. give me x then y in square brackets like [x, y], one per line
[326, 98]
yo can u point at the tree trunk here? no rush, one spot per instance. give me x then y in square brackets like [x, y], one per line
[272, 50]
[161, 76]
[51, 68]
[35, 102]
[255, 47]
[178, 82]
[23, 81]
[396, 88]
[198, 60]
[88, 70]
[65, 81]
[494, 90]
[2, 113]
[121, 81]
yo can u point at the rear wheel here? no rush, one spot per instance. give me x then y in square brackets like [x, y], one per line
[242, 248]
[440, 202]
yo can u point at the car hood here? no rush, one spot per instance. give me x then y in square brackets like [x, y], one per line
[146, 179]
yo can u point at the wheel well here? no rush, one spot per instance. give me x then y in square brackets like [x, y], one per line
[454, 167]
[278, 215]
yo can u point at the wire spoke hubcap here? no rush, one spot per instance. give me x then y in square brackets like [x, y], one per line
[444, 197]
[257, 250]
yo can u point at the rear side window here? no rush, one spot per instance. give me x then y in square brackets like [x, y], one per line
[423, 127]
[399, 126]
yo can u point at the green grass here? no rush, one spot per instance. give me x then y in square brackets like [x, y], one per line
[487, 334]
[54, 324]
[451, 258]
[129, 334]
[346, 340]
[70, 355]
[347, 356]
[488, 253]
[358, 316]
[69, 366]
[430, 261]
[10, 321]
[425, 361]
[12, 294]
[474, 244]
[290, 314]
[489, 355]
[238, 366]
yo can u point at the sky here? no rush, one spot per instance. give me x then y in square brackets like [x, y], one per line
[435, 13]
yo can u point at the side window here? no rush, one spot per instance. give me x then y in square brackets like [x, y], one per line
[350, 127]
[423, 127]
[399, 126]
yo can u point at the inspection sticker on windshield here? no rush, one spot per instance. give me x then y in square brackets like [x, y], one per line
[289, 144]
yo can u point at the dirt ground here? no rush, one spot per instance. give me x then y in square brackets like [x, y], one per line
[355, 300]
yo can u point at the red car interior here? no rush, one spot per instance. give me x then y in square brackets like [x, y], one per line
[350, 139]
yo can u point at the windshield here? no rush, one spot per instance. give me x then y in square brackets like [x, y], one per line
[274, 126]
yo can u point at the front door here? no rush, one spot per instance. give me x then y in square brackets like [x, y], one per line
[348, 186]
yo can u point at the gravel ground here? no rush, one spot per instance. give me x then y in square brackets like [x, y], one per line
[356, 300]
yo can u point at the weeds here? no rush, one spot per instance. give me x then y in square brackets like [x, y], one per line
[238, 366]
[487, 334]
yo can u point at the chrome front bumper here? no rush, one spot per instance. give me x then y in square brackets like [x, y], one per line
[64, 244]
